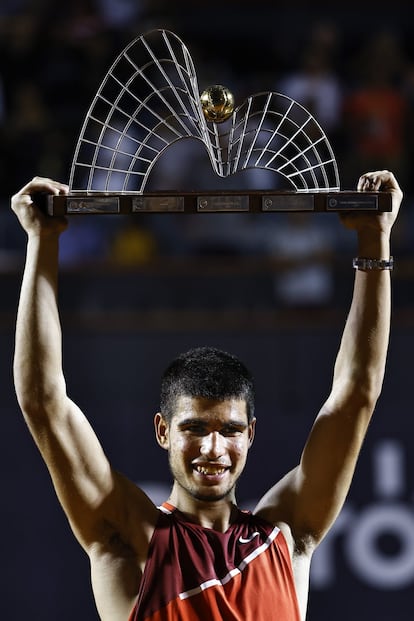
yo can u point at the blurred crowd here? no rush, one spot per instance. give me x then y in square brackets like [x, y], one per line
[359, 85]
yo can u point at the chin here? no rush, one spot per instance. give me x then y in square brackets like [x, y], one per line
[210, 495]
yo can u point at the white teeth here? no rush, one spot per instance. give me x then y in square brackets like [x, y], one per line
[210, 470]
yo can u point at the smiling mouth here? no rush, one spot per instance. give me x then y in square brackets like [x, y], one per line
[210, 470]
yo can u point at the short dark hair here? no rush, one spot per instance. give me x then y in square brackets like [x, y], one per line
[209, 373]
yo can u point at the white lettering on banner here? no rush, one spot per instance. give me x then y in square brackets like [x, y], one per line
[364, 554]
[361, 533]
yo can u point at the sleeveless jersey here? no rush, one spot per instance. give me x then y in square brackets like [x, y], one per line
[194, 573]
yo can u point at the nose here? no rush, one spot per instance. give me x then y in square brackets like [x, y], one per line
[212, 445]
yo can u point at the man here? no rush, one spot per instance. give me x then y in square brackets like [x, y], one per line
[198, 556]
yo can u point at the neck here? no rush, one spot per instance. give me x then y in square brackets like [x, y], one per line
[215, 514]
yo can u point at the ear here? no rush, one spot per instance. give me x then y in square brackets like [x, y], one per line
[161, 430]
[251, 431]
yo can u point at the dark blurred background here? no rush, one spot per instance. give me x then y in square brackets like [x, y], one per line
[275, 289]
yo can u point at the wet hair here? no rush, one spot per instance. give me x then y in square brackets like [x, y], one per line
[208, 373]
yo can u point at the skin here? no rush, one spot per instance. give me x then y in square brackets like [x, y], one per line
[207, 441]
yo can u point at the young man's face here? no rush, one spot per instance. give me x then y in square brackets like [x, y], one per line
[208, 442]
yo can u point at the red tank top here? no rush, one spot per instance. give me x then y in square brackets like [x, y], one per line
[194, 573]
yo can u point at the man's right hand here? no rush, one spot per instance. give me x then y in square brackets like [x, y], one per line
[32, 219]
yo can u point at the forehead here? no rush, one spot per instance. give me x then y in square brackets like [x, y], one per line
[210, 409]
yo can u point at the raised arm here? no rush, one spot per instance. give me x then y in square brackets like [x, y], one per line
[96, 499]
[310, 497]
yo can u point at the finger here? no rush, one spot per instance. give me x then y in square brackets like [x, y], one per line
[378, 180]
[369, 182]
[43, 184]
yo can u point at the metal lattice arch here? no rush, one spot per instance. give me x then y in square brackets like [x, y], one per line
[149, 99]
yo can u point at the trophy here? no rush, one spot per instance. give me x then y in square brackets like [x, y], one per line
[150, 99]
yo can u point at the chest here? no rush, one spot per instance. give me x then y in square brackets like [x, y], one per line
[240, 574]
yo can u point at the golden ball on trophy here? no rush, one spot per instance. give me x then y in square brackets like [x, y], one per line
[217, 103]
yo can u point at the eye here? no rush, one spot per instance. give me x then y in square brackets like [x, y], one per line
[232, 430]
[194, 429]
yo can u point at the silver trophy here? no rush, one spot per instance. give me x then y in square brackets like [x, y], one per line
[150, 99]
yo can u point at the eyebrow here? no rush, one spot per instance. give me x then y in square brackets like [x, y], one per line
[239, 424]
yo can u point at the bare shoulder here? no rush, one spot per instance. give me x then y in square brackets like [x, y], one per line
[278, 503]
[118, 557]
[133, 520]
[279, 507]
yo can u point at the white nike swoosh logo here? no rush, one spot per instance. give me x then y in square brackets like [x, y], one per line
[249, 539]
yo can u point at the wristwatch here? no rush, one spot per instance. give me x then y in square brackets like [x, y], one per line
[361, 263]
